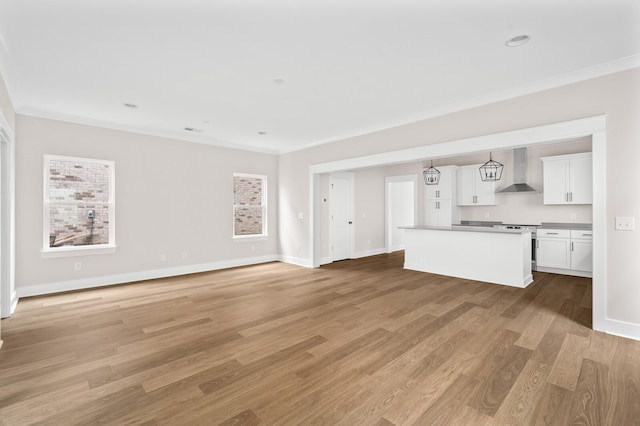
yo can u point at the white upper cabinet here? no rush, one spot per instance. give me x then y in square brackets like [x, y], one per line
[445, 189]
[472, 190]
[568, 179]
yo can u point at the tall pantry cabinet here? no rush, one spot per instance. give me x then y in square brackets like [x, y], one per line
[440, 207]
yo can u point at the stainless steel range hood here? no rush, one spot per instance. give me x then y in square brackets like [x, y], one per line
[519, 174]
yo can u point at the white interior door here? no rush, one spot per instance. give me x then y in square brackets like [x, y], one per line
[341, 211]
[401, 211]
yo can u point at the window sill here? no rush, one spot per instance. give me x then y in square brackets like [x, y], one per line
[78, 251]
[249, 238]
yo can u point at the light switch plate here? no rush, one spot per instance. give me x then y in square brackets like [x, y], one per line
[300, 215]
[625, 223]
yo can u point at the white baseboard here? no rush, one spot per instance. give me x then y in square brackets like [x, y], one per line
[295, 261]
[622, 329]
[565, 272]
[325, 260]
[367, 253]
[85, 283]
[396, 248]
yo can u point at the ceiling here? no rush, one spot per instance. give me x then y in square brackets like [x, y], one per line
[304, 72]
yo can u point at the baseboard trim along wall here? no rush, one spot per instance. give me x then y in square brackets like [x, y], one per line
[86, 283]
[367, 253]
[623, 329]
[295, 261]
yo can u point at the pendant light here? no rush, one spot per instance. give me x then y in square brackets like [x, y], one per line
[431, 175]
[491, 171]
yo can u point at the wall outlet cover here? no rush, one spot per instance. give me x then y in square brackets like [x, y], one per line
[625, 223]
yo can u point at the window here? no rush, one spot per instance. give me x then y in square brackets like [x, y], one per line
[78, 205]
[249, 205]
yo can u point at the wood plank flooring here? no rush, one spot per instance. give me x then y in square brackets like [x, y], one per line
[359, 342]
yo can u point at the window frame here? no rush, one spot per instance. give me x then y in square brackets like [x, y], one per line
[65, 251]
[263, 203]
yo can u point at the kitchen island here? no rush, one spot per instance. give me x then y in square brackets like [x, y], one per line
[500, 256]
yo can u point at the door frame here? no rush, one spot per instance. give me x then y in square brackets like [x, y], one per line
[387, 203]
[350, 178]
[8, 295]
[593, 127]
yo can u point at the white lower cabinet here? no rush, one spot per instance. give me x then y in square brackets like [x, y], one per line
[564, 251]
[582, 251]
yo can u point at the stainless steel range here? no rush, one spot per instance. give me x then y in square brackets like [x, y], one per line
[533, 229]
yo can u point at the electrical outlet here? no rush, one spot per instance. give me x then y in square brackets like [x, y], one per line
[487, 215]
[625, 223]
[573, 216]
[185, 254]
[77, 266]
[253, 247]
[163, 257]
[300, 215]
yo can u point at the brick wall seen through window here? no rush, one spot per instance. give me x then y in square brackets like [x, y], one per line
[249, 205]
[78, 202]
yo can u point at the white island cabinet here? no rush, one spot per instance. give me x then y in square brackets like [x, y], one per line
[500, 256]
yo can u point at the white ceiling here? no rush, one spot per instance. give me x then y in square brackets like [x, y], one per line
[349, 66]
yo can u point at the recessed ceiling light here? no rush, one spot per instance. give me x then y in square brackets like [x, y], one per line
[262, 133]
[278, 80]
[193, 129]
[130, 105]
[517, 40]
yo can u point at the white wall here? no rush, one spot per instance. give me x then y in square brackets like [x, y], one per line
[616, 95]
[171, 197]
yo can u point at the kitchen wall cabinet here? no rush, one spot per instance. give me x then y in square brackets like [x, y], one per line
[564, 251]
[439, 206]
[472, 190]
[567, 179]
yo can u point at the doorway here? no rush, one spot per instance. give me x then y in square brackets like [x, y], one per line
[401, 209]
[341, 215]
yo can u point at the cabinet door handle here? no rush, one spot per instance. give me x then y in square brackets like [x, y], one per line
[571, 196]
[571, 245]
[438, 193]
[587, 235]
[552, 233]
[537, 244]
[566, 197]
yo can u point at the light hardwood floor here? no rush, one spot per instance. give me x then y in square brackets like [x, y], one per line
[355, 342]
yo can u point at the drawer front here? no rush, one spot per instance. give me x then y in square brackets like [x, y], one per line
[581, 235]
[554, 233]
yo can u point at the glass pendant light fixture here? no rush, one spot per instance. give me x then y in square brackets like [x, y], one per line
[491, 171]
[431, 175]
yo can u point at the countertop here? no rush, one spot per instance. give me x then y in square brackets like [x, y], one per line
[574, 226]
[467, 229]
